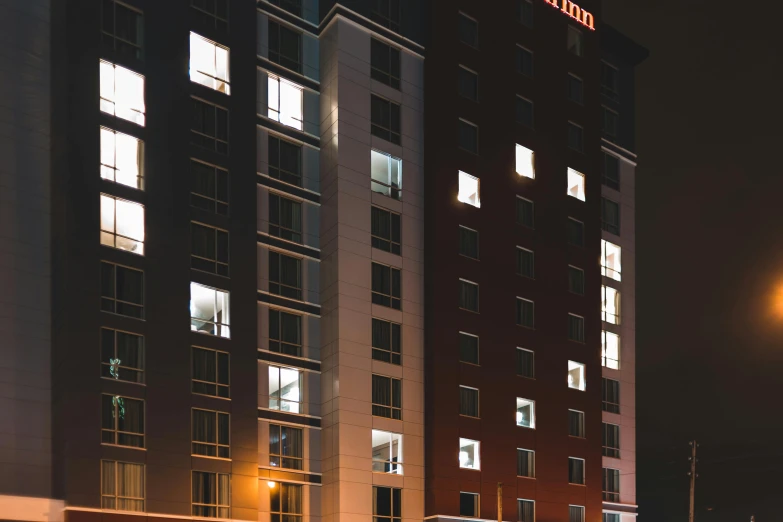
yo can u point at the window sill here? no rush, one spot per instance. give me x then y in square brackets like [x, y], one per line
[526, 427]
[224, 459]
[471, 311]
[121, 446]
[211, 396]
[469, 416]
[477, 365]
[122, 380]
[525, 477]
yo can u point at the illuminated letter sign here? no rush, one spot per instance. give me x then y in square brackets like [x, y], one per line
[574, 11]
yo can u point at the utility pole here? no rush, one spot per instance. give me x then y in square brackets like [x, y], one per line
[500, 502]
[693, 476]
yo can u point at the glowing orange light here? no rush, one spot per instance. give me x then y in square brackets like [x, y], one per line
[271, 484]
[777, 301]
[582, 16]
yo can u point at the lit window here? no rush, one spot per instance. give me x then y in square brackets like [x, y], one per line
[285, 389]
[209, 63]
[386, 452]
[122, 356]
[122, 92]
[122, 421]
[610, 305]
[211, 495]
[525, 162]
[469, 189]
[526, 463]
[209, 310]
[576, 376]
[122, 158]
[285, 102]
[576, 184]
[210, 372]
[286, 447]
[468, 504]
[526, 413]
[576, 471]
[386, 174]
[122, 224]
[576, 423]
[610, 260]
[122, 486]
[210, 434]
[469, 457]
[610, 350]
[576, 514]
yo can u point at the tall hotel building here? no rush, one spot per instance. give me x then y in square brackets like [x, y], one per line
[302, 261]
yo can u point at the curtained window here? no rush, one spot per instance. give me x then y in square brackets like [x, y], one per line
[122, 356]
[122, 421]
[576, 280]
[285, 218]
[386, 341]
[285, 333]
[576, 514]
[576, 328]
[468, 348]
[211, 434]
[210, 372]
[468, 242]
[122, 486]
[468, 401]
[285, 161]
[468, 295]
[122, 290]
[610, 393]
[211, 494]
[611, 440]
[525, 313]
[525, 213]
[285, 502]
[285, 447]
[526, 510]
[611, 484]
[576, 471]
[526, 463]
[386, 286]
[386, 230]
[526, 363]
[285, 275]
[526, 263]
[386, 397]
[576, 232]
[576, 423]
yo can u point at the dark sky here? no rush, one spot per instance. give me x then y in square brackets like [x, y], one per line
[710, 256]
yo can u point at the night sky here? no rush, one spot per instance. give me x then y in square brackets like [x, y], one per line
[710, 256]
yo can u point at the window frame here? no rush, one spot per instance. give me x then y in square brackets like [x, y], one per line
[114, 168]
[613, 181]
[210, 203]
[575, 41]
[379, 351]
[207, 78]
[580, 146]
[218, 444]
[277, 396]
[520, 264]
[112, 238]
[212, 142]
[276, 338]
[531, 123]
[476, 504]
[464, 17]
[281, 59]
[463, 124]
[217, 384]
[395, 467]
[579, 334]
[115, 367]
[576, 280]
[215, 18]
[520, 212]
[579, 417]
[118, 402]
[378, 296]
[572, 471]
[388, 239]
[275, 227]
[282, 457]
[476, 453]
[608, 450]
[576, 179]
[115, 299]
[581, 513]
[387, 186]
[519, 314]
[606, 271]
[461, 351]
[611, 133]
[112, 32]
[606, 225]
[521, 403]
[466, 406]
[286, 117]
[574, 80]
[575, 222]
[277, 171]
[606, 361]
[464, 251]
[521, 68]
[387, 20]
[532, 363]
[461, 71]
[135, 111]
[218, 329]
[276, 285]
[531, 459]
[606, 315]
[218, 506]
[582, 378]
[610, 392]
[116, 486]
[463, 305]
[394, 515]
[610, 495]
[376, 70]
[279, 514]
[394, 406]
[221, 268]
[392, 133]
[469, 197]
[525, 22]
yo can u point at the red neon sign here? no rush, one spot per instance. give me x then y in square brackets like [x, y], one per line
[574, 11]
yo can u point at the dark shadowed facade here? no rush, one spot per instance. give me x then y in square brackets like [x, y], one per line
[394, 228]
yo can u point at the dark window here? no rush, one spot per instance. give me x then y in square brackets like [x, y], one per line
[610, 122]
[211, 494]
[526, 363]
[122, 421]
[576, 423]
[122, 290]
[468, 504]
[286, 445]
[526, 464]
[524, 111]
[576, 328]
[611, 517]
[610, 175]
[610, 216]
[468, 296]
[576, 514]
[385, 229]
[285, 47]
[525, 16]
[576, 471]
[525, 214]
[212, 13]
[285, 161]
[576, 280]
[386, 286]
[386, 13]
[210, 434]
[385, 63]
[385, 116]
[123, 29]
[526, 510]
[386, 341]
[611, 440]
[292, 6]
[575, 137]
[209, 188]
[209, 126]
[285, 275]
[468, 348]
[210, 372]
[610, 81]
[525, 311]
[611, 485]
[524, 61]
[122, 356]
[285, 218]
[209, 249]
[468, 242]
[468, 30]
[610, 395]
[386, 504]
[575, 41]
[468, 136]
[576, 232]
[285, 502]
[526, 263]
[468, 401]
[386, 397]
[575, 89]
[467, 84]
[285, 333]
